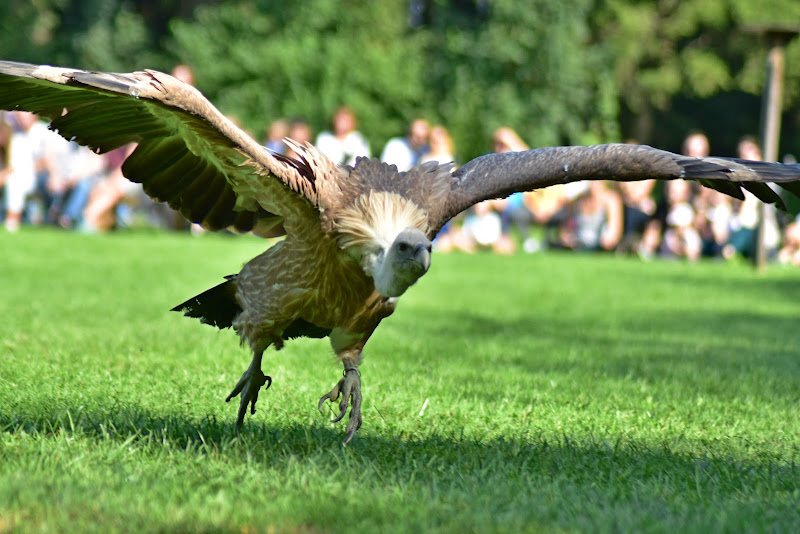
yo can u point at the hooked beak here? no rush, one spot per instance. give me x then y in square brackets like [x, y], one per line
[422, 256]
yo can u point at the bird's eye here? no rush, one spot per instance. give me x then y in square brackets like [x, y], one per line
[403, 247]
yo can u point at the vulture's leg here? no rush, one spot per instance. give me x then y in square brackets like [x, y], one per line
[349, 388]
[248, 387]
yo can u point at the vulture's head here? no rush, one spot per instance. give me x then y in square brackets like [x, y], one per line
[385, 233]
[402, 263]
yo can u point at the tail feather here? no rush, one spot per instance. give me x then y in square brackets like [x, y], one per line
[216, 306]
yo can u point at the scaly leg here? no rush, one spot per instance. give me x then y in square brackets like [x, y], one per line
[350, 388]
[248, 386]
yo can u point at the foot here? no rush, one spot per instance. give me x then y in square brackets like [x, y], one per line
[248, 386]
[350, 388]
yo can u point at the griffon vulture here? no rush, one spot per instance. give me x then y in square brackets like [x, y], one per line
[356, 237]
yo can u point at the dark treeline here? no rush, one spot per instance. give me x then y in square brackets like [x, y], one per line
[568, 72]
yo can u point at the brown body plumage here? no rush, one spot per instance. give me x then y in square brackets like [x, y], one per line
[356, 237]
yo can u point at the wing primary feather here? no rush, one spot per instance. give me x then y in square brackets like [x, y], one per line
[221, 215]
[764, 193]
[205, 191]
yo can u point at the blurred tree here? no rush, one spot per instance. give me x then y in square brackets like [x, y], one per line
[118, 35]
[535, 69]
[691, 51]
[574, 71]
[29, 28]
[474, 67]
[261, 60]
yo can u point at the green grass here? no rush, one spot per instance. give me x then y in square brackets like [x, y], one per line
[570, 393]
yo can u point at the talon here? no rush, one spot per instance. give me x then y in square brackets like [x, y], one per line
[248, 386]
[350, 389]
[341, 415]
[331, 396]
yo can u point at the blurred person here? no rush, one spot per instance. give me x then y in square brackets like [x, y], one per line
[594, 220]
[40, 199]
[101, 211]
[440, 146]
[745, 218]
[680, 238]
[640, 234]
[512, 209]
[483, 225]
[784, 218]
[52, 183]
[406, 151]
[299, 131]
[684, 239]
[276, 131]
[638, 210]
[547, 209]
[696, 144]
[713, 213]
[441, 149]
[184, 73]
[789, 254]
[5, 140]
[481, 229]
[505, 139]
[344, 143]
[72, 173]
[24, 153]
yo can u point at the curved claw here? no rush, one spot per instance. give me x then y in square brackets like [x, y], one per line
[332, 396]
[350, 389]
[355, 422]
[248, 386]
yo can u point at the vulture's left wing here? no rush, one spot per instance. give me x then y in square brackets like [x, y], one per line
[499, 175]
[188, 154]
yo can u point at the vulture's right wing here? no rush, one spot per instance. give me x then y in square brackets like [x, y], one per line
[188, 155]
[499, 175]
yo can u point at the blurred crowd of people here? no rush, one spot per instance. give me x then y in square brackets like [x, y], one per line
[45, 179]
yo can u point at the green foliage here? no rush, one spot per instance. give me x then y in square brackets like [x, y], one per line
[697, 50]
[574, 71]
[99, 34]
[574, 393]
[29, 28]
[533, 69]
[308, 60]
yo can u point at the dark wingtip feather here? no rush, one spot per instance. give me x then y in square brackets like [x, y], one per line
[791, 187]
[765, 194]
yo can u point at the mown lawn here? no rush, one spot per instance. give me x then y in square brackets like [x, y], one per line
[568, 393]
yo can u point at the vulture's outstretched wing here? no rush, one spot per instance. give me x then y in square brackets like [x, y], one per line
[499, 175]
[188, 155]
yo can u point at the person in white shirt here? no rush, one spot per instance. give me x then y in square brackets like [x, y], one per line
[24, 152]
[345, 143]
[405, 152]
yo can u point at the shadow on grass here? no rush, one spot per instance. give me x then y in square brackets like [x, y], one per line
[752, 288]
[547, 479]
[683, 334]
[728, 356]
